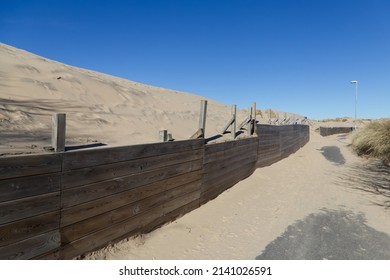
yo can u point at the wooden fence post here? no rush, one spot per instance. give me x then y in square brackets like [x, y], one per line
[201, 132]
[58, 132]
[234, 117]
[202, 118]
[249, 124]
[163, 135]
[253, 129]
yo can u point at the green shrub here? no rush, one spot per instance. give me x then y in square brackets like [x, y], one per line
[374, 140]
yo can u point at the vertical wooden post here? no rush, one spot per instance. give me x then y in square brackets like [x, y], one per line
[234, 113]
[269, 116]
[253, 130]
[163, 135]
[249, 125]
[58, 132]
[202, 118]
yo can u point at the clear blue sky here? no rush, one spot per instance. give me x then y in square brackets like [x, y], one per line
[297, 56]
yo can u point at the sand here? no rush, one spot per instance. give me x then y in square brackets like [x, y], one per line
[100, 108]
[244, 220]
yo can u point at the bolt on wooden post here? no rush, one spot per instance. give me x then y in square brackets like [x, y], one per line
[58, 132]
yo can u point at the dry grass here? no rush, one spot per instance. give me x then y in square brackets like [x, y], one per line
[344, 119]
[374, 140]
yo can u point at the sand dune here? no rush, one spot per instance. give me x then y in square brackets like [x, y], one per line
[99, 107]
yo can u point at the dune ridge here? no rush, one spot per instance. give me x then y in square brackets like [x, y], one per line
[100, 108]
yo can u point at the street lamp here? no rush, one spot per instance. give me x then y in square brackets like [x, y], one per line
[356, 90]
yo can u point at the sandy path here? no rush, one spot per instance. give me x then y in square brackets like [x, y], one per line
[315, 204]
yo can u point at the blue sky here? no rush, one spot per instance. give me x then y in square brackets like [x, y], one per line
[297, 56]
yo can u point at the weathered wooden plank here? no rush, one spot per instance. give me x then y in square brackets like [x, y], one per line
[173, 210]
[94, 174]
[58, 122]
[220, 168]
[216, 179]
[210, 191]
[26, 228]
[93, 208]
[28, 207]
[32, 247]
[101, 189]
[105, 236]
[101, 156]
[247, 149]
[217, 147]
[214, 190]
[229, 158]
[51, 255]
[12, 167]
[135, 225]
[181, 200]
[171, 216]
[268, 152]
[88, 226]
[16, 188]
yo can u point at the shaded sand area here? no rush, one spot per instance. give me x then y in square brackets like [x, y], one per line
[323, 202]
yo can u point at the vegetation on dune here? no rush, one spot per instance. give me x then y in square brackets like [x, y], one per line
[374, 140]
[344, 119]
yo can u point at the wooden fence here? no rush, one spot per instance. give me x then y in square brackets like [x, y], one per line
[326, 131]
[60, 206]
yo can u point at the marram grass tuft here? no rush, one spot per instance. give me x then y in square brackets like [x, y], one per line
[373, 140]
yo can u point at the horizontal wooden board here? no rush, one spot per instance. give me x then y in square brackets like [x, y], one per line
[107, 235]
[94, 174]
[223, 169]
[230, 160]
[94, 191]
[32, 247]
[211, 191]
[51, 255]
[16, 188]
[88, 158]
[26, 228]
[220, 169]
[29, 207]
[13, 167]
[217, 147]
[231, 153]
[93, 208]
[135, 225]
[171, 216]
[110, 218]
[227, 180]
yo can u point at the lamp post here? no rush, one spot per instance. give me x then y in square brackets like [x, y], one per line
[356, 93]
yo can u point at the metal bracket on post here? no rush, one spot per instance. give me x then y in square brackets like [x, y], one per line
[58, 132]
